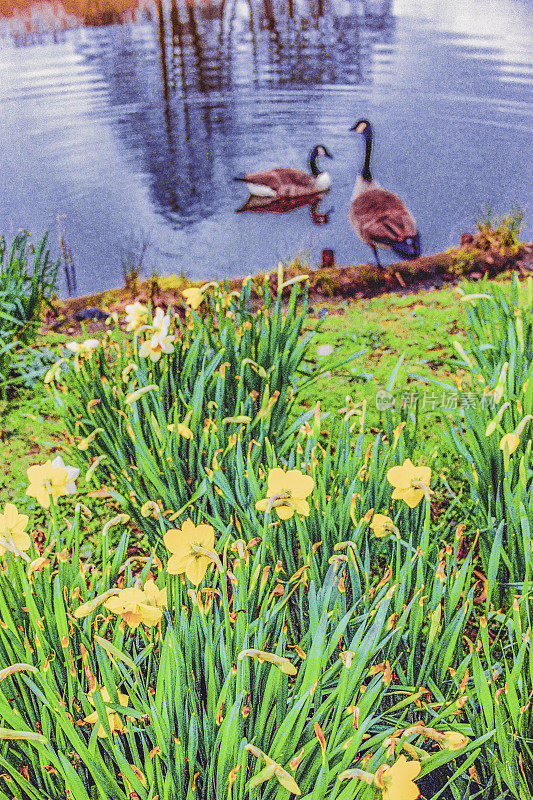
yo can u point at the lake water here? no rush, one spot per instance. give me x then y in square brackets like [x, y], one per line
[131, 133]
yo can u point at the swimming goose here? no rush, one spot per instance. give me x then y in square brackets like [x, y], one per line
[378, 216]
[287, 181]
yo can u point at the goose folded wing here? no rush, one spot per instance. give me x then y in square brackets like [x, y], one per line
[382, 217]
[268, 178]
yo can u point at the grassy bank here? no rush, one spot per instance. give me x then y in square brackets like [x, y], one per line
[419, 326]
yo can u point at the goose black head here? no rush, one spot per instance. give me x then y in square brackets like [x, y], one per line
[363, 126]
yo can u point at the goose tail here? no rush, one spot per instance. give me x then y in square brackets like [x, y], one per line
[409, 247]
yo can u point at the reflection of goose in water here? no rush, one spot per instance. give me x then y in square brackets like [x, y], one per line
[281, 205]
[378, 216]
[287, 181]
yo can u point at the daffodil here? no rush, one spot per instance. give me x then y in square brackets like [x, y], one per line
[193, 297]
[113, 719]
[154, 596]
[410, 483]
[509, 441]
[51, 479]
[192, 548]
[287, 492]
[453, 740]
[136, 316]
[282, 663]
[272, 770]
[382, 525]
[397, 782]
[85, 348]
[54, 371]
[134, 606]
[12, 530]
[159, 342]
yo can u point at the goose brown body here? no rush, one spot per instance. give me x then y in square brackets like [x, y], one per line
[380, 218]
[284, 181]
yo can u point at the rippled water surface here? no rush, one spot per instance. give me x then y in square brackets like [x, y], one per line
[131, 133]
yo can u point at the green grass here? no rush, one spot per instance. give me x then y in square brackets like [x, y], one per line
[421, 327]
[29, 432]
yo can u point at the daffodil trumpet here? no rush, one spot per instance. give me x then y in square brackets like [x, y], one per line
[209, 554]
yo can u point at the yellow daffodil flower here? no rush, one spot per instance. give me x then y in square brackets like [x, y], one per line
[511, 441]
[410, 483]
[136, 316]
[453, 740]
[12, 530]
[287, 492]
[154, 596]
[134, 606]
[283, 664]
[51, 479]
[85, 348]
[193, 297]
[397, 782]
[382, 525]
[113, 719]
[54, 371]
[192, 548]
[272, 769]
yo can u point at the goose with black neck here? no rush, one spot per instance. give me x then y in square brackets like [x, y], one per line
[379, 217]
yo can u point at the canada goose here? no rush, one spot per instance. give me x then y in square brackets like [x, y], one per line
[378, 216]
[287, 181]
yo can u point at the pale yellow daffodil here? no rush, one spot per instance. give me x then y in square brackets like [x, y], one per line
[192, 548]
[136, 316]
[12, 530]
[134, 606]
[382, 525]
[193, 297]
[113, 719]
[158, 342]
[453, 740]
[51, 479]
[509, 441]
[410, 483]
[397, 782]
[85, 348]
[287, 492]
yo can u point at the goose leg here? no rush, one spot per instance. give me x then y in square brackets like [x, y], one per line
[374, 250]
